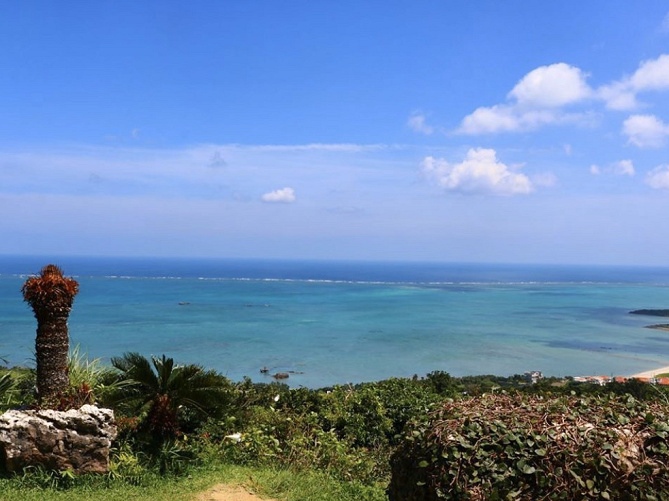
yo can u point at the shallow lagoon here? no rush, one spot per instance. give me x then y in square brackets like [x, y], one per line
[352, 322]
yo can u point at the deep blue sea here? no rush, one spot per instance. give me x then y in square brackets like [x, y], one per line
[339, 322]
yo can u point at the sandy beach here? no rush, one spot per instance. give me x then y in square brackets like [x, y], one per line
[652, 373]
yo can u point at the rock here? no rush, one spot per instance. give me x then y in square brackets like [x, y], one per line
[78, 439]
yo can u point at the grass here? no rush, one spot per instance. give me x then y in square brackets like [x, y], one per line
[283, 485]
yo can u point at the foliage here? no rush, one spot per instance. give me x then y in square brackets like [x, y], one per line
[530, 447]
[100, 382]
[19, 387]
[7, 390]
[169, 396]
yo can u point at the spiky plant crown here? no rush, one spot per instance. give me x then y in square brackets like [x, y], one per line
[50, 289]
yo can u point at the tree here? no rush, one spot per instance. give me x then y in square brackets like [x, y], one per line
[51, 295]
[165, 390]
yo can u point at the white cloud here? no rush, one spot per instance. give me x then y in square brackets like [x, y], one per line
[284, 195]
[483, 120]
[506, 118]
[658, 178]
[645, 131]
[623, 168]
[651, 75]
[479, 173]
[618, 96]
[540, 98]
[536, 100]
[551, 86]
[418, 123]
[619, 168]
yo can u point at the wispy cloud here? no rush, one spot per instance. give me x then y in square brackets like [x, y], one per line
[620, 168]
[665, 23]
[658, 178]
[418, 123]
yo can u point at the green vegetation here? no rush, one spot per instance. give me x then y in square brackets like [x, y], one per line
[267, 482]
[182, 428]
[531, 447]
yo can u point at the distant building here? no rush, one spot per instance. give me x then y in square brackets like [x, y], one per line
[600, 380]
[533, 376]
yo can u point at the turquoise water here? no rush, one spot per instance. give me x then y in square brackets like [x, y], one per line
[353, 322]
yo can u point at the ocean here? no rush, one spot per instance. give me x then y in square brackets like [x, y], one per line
[347, 322]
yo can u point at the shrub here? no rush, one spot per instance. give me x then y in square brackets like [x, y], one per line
[530, 447]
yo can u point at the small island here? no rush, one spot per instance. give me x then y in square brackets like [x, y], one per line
[651, 313]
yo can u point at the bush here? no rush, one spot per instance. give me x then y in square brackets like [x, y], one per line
[530, 447]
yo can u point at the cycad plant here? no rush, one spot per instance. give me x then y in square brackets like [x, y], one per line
[163, 391]
[51, 295]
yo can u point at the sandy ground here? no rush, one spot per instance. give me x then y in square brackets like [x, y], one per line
[224, 492]
[652, 373]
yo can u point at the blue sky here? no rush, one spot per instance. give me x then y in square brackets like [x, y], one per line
[452, 131]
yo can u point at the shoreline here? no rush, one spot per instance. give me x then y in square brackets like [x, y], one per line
[652, 373]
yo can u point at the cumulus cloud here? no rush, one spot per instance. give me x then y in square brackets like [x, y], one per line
[551, 86]
[418, 123]
[479, 173]
[645, 131]
[284, 195]
[536, 100]
[620, 168]
[651, 75]
[658, 178]
[540, 98]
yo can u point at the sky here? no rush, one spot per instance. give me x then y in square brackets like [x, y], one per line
[478, 131]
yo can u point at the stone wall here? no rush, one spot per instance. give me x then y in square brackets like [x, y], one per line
[77, 439]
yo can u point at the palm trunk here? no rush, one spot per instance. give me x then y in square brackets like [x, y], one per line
[51, 349]
[51, 296]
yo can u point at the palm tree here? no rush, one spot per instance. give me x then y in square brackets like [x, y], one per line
[164, 390]
[51, 295]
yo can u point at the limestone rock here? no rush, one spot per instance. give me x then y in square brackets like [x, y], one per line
[78, 439]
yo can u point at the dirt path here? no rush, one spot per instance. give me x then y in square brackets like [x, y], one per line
[224, 492]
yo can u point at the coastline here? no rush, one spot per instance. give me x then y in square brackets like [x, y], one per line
[652, 373]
